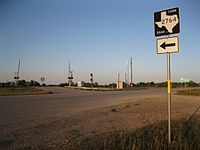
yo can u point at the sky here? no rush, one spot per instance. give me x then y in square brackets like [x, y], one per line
[96, 36]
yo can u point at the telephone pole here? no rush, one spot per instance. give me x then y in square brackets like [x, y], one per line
[118, 80]
[128, 71]
[131, 64]
[70, 75]
[16, 77]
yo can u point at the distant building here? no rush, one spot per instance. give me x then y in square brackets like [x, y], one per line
[121, 85]
[80, 84]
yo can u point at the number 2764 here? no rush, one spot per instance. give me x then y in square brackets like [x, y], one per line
[168, 20]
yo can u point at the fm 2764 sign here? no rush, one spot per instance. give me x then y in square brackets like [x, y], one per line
[167, 22]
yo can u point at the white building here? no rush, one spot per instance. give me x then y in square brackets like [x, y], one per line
[80, 84]
[121, 85]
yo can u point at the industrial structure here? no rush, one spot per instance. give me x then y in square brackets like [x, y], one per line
[127, 82]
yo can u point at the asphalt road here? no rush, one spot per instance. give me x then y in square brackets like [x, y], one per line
[64, 102]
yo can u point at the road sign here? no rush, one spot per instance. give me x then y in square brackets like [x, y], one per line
[167, 45]
[42, 79]
[167, 22]
[184, 80]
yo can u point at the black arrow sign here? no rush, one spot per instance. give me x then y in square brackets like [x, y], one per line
[164, 45]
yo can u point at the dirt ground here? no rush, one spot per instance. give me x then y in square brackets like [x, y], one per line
[60, 132]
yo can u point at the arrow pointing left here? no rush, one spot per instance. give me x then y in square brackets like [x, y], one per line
[167, 45]
[164, 45]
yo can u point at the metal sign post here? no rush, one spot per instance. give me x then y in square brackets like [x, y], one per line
[169, 97]
[42, 83]
[91, 79]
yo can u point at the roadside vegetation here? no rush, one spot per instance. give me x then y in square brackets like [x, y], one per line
[185, 136]
[22, 91]
[24, 83]
[20, 83]
[139, 84]
[22, 87]
[194, 92]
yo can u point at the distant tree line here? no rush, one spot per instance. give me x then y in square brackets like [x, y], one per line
[20, 83]
[140, 84]
[86, 84]
[164, 84]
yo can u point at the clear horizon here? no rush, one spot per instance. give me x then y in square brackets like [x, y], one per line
[95, 36]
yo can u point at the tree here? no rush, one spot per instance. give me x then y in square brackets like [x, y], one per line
[96, 84]
[34, 83]
[141, 84]
[192, 84]
[21, 83]
[150, 84]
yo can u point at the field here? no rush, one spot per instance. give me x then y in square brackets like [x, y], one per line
[195, 92]
[78, 119]
[22, 91]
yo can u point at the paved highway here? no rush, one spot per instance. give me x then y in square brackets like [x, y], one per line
[64, 102]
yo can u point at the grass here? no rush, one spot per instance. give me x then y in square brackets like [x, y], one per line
[23, 91]
[185, 136]
[194, 92]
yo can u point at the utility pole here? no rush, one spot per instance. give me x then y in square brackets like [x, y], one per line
[118, 80]
[125, 78]
[16, 77]
[128, 71]
[69, 71]
[126, 81]
[18, 69]
[70, 75]
[131, 63]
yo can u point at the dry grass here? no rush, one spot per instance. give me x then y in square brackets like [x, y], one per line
[22, 91]
[194, 92]
[185, 136]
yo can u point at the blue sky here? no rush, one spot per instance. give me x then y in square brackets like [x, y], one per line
[96, 36]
